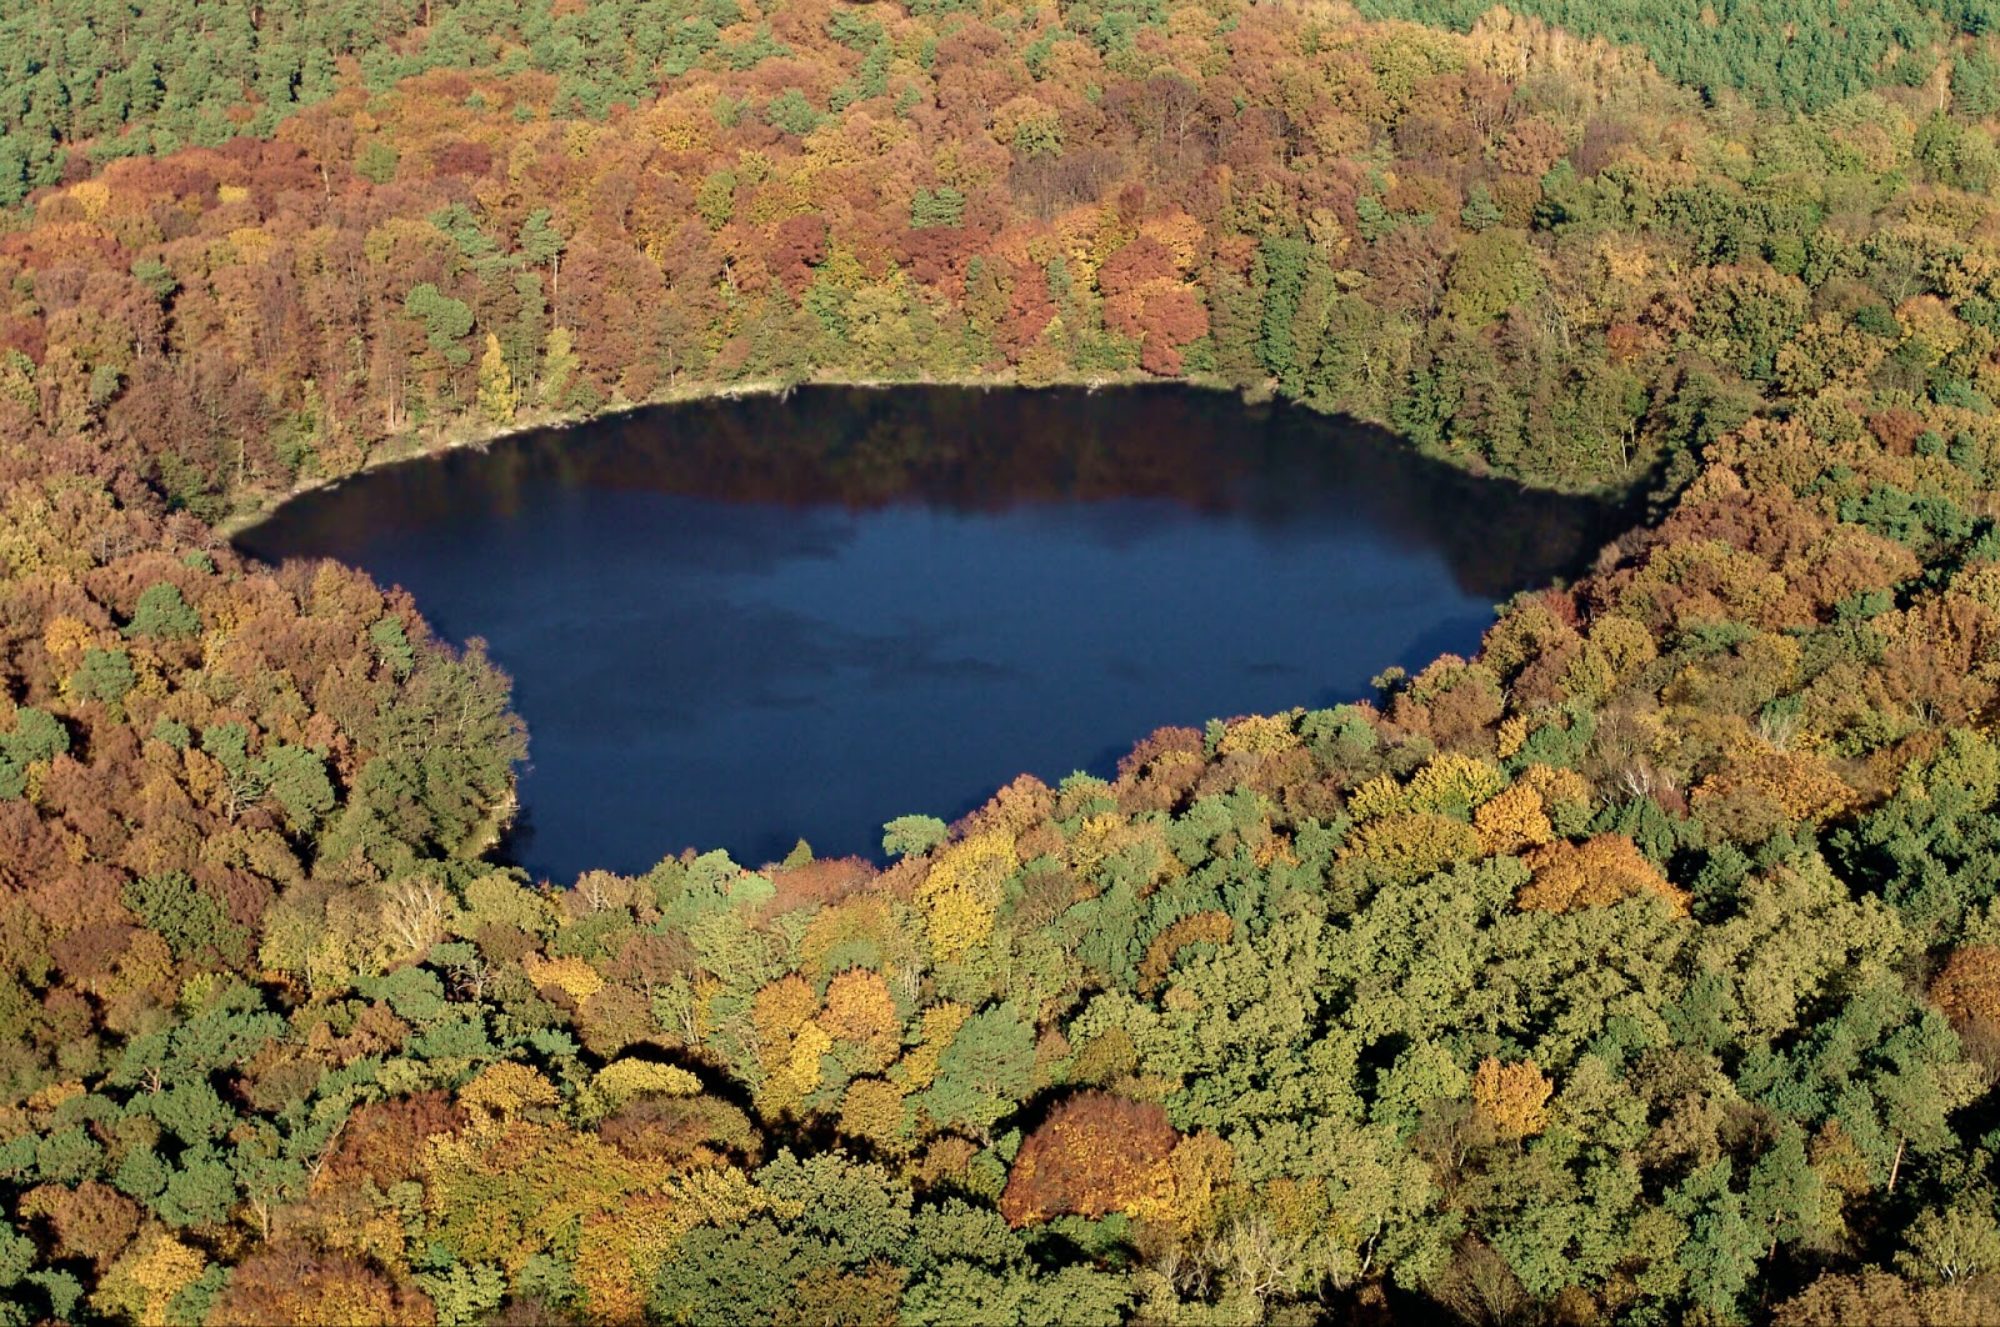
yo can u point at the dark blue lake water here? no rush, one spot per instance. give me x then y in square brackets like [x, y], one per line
[736, 624]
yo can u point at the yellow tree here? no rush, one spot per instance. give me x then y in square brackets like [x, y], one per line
[1607, 869]
[789, 1043]
[497, 397]
[962, 892]
[506, 1090]
[142, 1283]
[859, 1010]
[622, 1080]
[1512, 821]
[1513, 1098]
[1401, 848]
[559, 366]
[873, 1109]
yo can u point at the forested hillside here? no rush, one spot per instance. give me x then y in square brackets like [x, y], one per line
[1805, 54]
[102, 79]
[1643, 969]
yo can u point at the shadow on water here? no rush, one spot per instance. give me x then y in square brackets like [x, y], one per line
[733, 623]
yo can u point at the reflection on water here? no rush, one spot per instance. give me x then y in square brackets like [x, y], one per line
[737, 623]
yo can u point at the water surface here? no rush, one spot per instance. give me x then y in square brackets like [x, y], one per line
[738, 623]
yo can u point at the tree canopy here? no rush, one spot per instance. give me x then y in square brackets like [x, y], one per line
[1641, 968]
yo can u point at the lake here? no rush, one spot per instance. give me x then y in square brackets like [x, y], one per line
[738, 623]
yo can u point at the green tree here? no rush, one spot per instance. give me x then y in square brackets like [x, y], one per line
[748, 1274]
[1952, 1244]
[376, 162]
[1720, 1255]
[542, 244]
[1280, 273]
[791, 112]
[297, 777]
[104, 675]
[1495, 272]
[1785, 1197]
[185, 916]
[392, 646]
[446, 321]
[852, 1214]
[200, 1191]
[1975, 83]
[1480, 212]
[163, 614]
[984, 1073]
[907, 836]
[943, 206]
[37, 736]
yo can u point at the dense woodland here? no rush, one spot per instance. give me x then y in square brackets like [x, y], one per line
[1796, 53]
[1644, 968]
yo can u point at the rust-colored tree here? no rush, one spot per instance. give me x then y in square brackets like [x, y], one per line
[1968, 989]
[1096, 1153]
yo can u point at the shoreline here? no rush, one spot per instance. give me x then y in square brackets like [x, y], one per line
[460, 435]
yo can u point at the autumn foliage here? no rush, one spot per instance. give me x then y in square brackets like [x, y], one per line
[1513, 1098]
[1605, 869]
[1968, 988]
[1096, 1153]
[1326, 1009]
[294, 1284]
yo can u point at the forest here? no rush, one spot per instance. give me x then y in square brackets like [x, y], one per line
[1641, 968]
